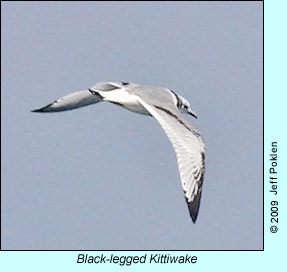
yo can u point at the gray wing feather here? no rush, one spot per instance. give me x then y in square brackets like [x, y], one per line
[71, 101]
[190, 152]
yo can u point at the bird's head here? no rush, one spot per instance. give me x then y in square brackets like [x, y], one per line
[184, 107]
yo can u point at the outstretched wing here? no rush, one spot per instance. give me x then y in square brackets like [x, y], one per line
[71, 101]
[190, 152]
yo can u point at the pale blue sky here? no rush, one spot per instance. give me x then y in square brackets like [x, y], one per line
[105, 178]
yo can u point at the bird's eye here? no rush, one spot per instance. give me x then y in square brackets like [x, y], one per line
[185, 107]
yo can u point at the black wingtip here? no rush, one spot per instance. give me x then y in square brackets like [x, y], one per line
[38, 110]
[193, 218]
[193, 207]
[193, 215]
[44, 109]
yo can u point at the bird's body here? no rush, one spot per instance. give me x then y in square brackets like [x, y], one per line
[122, 98]
[167, 108]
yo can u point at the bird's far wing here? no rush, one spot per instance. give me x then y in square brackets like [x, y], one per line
[190, 152]
[71, 101]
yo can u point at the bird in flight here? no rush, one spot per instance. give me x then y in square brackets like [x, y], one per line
[167, 108]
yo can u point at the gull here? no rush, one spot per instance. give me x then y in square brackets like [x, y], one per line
[167, 108]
